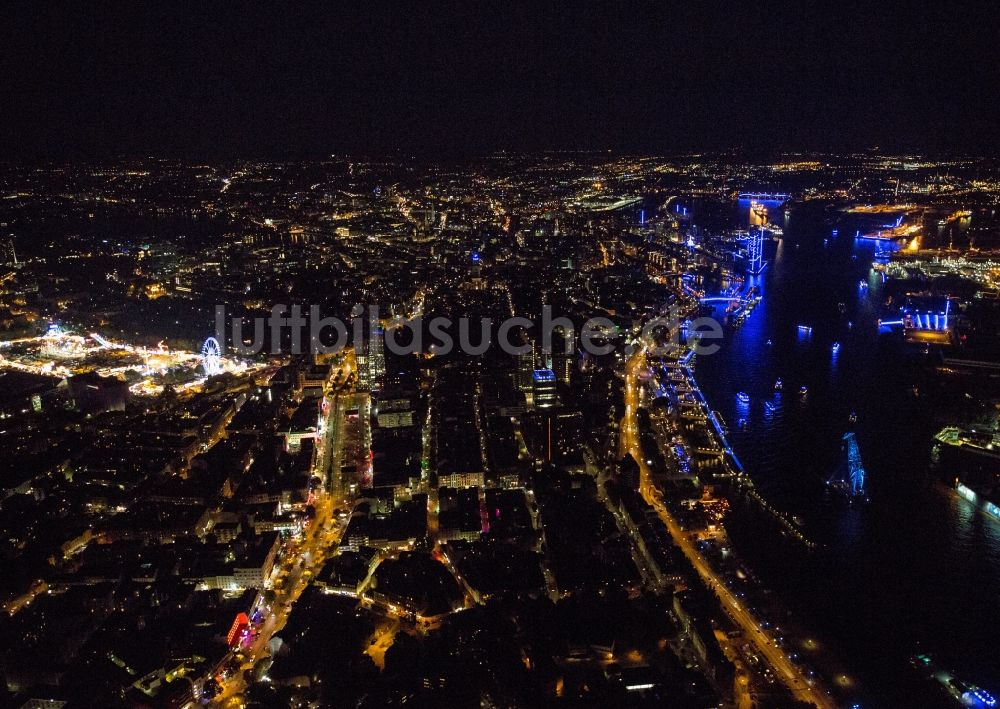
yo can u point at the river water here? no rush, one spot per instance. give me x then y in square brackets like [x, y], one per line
[916, 568]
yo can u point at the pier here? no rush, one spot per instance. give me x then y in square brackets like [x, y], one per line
[734, 470]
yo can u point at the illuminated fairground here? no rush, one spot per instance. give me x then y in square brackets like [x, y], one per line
[148, 370]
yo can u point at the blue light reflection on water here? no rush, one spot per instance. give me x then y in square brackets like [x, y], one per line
[917, 565]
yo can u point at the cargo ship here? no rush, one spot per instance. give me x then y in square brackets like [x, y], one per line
[969, 461]
[886, 222]
[893, 232]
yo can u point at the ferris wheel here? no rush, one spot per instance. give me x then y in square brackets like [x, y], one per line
[211, 356]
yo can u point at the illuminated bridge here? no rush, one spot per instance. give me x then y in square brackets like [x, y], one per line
[764, 196]
[735, 297]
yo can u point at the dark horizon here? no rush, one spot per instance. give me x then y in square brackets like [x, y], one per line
[94, 83]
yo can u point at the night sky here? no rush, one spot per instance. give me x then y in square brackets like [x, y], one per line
[448, 78]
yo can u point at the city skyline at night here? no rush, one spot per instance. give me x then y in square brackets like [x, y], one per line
[500, 355]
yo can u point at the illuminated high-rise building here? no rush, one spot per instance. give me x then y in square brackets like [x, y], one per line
[562, 357]
[543, 387]
[376, 354]
[8, 256]
[364, 380]
[525, 370]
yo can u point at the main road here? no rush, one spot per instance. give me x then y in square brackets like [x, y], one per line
[791, 675]
[303, 559]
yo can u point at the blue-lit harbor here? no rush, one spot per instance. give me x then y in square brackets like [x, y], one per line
[821, 326]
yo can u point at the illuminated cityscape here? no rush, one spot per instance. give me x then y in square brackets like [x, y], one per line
[359, 372]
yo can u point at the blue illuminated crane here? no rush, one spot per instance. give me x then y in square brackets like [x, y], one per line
[755, 251]
[848, 479]
[855, 470]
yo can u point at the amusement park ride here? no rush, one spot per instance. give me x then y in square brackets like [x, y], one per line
[62, 353]
[211, 357]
